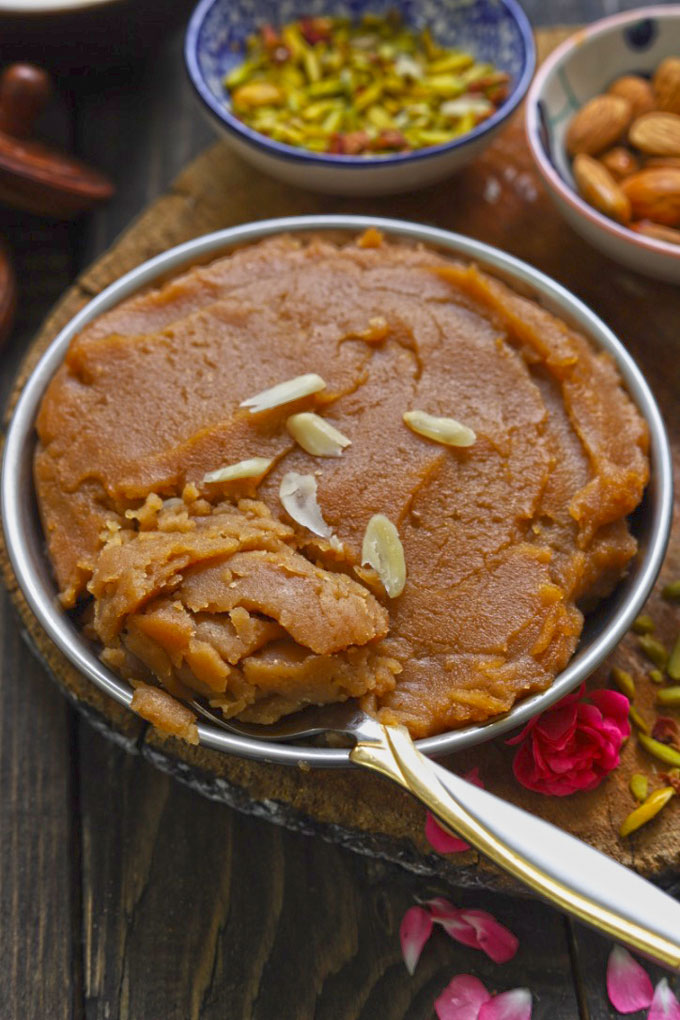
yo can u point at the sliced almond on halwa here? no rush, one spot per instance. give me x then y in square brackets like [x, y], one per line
[316, 435]
[298, 495]
[254, 467]
[442, 430]
[285, 392]
[382, 550]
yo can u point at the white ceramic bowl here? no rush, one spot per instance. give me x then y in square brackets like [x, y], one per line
[632, 43]
[496, 31]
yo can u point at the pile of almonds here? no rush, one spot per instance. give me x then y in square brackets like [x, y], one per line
[625, 146]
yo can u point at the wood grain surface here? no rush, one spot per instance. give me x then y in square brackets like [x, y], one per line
[125, 894]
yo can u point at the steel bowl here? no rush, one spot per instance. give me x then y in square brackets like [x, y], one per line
[604, 627]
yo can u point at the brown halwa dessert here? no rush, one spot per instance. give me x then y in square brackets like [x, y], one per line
[209, 586]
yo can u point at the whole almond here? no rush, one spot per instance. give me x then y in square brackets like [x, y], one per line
[599, 188]
[620, 162]
[598, 125]
[637, 91]
[657, 134]
[654, 194]
[657, 231]
[667, 85]
[662, 161]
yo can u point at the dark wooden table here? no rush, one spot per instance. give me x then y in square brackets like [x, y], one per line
[125, 895]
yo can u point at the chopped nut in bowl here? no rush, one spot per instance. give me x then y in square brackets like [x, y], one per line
[603, 124]
[369, 98]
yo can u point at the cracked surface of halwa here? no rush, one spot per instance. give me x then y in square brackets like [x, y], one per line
[212, 588]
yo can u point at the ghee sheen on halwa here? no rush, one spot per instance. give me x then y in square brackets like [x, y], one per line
[212, 588]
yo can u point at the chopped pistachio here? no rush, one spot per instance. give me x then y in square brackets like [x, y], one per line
[639, 786]
[669, 696]
[664, 752]
[656, 676]
[375, 72]
[637, 720]
[624, 682]
[673, 664]
[671, 591]
[643, 624]
[654, 650]
[647, 810]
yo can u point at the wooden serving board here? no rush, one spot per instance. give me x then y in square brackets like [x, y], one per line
[498, 199]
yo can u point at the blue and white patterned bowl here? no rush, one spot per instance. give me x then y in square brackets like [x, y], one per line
[632, 43]
[497, 31]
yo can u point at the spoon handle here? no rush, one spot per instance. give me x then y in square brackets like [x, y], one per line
[560, 868]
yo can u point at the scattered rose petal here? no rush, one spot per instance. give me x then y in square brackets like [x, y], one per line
[441, 840]
[475, 928]
[514, 1005]
[492, 937]
[665, 1006]
[414, 931]
[461, 999]
[628, 984]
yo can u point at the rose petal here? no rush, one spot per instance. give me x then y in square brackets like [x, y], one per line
[493, 938]
[414, 931]
[461, 999]
[450, 918]
[439, 908]
[441, 840]
[514, 1005]
[628, 984]
[474, 777]
[615, 706]
[665, 1006]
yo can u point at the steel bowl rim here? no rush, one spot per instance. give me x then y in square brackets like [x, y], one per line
[20, 436]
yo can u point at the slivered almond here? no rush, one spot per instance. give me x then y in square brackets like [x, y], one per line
[316, 435]
[441, 430]
[657, 134]
[298, 495]
[285, 392]
[382, 550]
[254, 467]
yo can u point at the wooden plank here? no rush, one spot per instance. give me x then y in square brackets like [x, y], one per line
[194, 912]
[590, 954]
[39, 956]
[140, 129]
[40, 972]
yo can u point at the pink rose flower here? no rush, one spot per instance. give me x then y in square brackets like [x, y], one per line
[574, 745]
